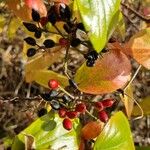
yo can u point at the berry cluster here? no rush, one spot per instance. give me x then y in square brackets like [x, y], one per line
[101, 106]
[59, 12]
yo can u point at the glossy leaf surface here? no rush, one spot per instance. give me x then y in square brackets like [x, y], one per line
[116, 135]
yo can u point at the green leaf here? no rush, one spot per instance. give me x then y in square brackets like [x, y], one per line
[100, 18]
[145, 104]
[116, 135]
[48, 133]
[2, 23]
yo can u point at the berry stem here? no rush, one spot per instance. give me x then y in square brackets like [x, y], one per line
[58, 31]
[91, 115]
[63, 90]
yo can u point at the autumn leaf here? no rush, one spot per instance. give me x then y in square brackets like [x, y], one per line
[110, 73]
[23, 8]
[138, 47]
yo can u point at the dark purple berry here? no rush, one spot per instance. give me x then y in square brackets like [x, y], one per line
[49, 43]
[35, 15]
[67, 28]
[52, 17]
[90, 63]
[30, 26]
[30, 41]
[75, 42]
[38, 34]
[80, 26]
[64, 12]
[31, 52]
[41, 112]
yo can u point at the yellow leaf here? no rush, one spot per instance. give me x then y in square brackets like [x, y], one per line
[43, 76]
[128, 100]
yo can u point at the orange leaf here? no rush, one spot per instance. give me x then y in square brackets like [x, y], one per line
[110, 73]
[139, 47]
[91, 130]
[23, 9]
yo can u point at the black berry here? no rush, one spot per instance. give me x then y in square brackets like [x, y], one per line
[67, 28]
[35, 15]
[38, 34]
[30, 26]
[66, 98]
[42, 112]
[30, 41]
[31, 52]
[52, 17]
[46, 96]
[55, 104]
[64, 12]
[49, 43]
[90, 63]
[80, 26]
[75, 42]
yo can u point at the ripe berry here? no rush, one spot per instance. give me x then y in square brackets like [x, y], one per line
[66, 98]
[55, 104]
[53, 84]
[52, 16]
[62, 113]
[92, 55]
[43, 21]
[64, 12]
[99, 106]
[90, 63]
[35, 15]
[46, 96]
[42, 112]
[49, 43]
[72, 114]
[38, 34]
[63, 42]
[72, 83]
[80, 26]
[107, 103]
[75, 42]
[102, 115]
[67, 124]
[30, 27]
[67, 28]
[80, 108]
[31, 52]
[30, 41]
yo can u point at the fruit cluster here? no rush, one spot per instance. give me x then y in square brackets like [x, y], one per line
[69, 108]
[68, 37]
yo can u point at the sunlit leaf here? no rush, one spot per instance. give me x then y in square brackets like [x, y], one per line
[127, 99]
[41, 61]
[145, 104]
[116, 135]
[2, 23]
[110, 72]
[43, 76]
[13, 26]
[49, 133]
[139, 47]
[100, 18]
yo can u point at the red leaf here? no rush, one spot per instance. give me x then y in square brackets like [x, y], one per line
[110, 73]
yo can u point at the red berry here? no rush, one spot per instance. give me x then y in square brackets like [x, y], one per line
[81, 108]
[53, 84]
[43, 21]
[99, 106]
[63, 42]
[107, 103]
[72, 114]
[103, 116]
[67, 124]
[62, 113]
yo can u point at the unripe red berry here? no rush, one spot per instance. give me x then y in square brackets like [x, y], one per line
[53, 84]
[63, 42]
[62, 113]
[67, 124]
[80, 108]
[107, 103]
[99, 106]
[43, 21]
[72, 114]
[102, 115]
